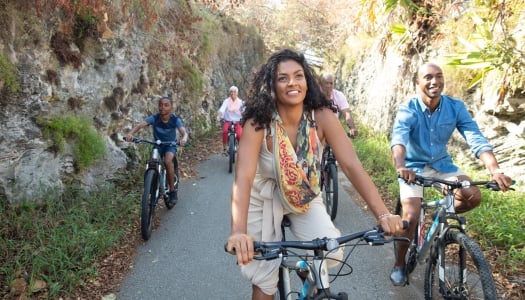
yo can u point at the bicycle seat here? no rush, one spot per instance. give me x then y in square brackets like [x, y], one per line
[286, 221]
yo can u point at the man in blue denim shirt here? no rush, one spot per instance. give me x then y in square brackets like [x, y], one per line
[421, 131]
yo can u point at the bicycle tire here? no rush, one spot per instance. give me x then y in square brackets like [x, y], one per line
[461, 257]
[231, 152]
[148, 204]
[331, 191]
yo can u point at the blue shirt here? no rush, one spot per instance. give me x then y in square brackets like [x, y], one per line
[425, 135]
[165, 132]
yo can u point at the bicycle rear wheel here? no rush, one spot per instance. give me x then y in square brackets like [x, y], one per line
[458, 270]
[231, 152]
[148, 204]
[331, 191]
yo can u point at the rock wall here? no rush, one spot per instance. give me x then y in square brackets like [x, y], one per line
[121, 74]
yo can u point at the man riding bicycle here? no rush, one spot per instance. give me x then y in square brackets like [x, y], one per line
[231, 111]
[340, 101]
[165, 126]
[421, 131]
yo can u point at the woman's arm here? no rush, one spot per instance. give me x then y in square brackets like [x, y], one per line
[246, 166]
[334, 134]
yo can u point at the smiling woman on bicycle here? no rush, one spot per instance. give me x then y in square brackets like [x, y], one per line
[420, 135]
[165, 126]
[231, 111]
[278, 170]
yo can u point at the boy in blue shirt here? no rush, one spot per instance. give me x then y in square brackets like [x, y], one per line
[165, 126]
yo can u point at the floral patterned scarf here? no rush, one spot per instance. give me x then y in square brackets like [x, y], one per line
[297, 170]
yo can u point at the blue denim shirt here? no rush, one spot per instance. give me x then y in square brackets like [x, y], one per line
[425, 135]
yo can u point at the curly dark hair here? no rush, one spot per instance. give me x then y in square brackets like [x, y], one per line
[261, 103]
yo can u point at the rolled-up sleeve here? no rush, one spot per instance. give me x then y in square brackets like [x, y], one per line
[469, 129]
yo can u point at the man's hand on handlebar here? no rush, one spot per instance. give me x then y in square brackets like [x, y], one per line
[408, 175]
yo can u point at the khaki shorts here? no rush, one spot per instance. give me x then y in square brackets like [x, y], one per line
[416, 191]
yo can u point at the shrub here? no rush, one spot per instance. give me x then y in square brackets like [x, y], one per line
[87, 146]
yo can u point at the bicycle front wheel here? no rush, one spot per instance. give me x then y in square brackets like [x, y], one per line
[231, 152]
[457, 269]
[331, 191]
[148, 204]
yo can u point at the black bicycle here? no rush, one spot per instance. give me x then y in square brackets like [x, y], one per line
[232, 145]
[155, 185]
[312, 270]
[329, 183]
[455, 265]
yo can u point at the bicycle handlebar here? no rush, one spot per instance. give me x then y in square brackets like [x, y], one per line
[373, 237]
[157, 142]
[429, 181]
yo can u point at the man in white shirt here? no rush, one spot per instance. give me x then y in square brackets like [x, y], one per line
[339, 99]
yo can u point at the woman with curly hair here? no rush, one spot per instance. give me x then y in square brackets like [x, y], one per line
[285, 123]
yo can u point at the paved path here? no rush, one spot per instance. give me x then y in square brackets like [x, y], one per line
[184, 258]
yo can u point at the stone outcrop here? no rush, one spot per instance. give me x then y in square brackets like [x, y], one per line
[113, 78]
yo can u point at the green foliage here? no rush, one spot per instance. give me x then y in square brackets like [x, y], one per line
[484, 51]
[59, 241]
[195, 82]
[87, 146]
[499, 221]
[8, 73]
[202, 128]
[374, 152]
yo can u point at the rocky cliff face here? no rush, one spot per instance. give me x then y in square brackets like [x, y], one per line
[382, 79]
[112, 77]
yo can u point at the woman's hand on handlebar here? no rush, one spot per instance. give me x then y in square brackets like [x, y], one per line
[241, 244]
[392, 224]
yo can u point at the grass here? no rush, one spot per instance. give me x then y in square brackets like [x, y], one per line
[87, 144]
[60, 241]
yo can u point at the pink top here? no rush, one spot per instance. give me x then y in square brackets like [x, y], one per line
[339, 100]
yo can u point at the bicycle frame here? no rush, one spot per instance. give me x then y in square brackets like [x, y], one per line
[316, 281]
[156, 163]
[445, 247]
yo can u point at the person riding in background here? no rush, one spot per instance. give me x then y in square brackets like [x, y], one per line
[340, 101]
[231, 111]
[285, 123]
[421, 131]
[165, 126]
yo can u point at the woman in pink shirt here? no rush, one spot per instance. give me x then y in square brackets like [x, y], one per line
[231, 111]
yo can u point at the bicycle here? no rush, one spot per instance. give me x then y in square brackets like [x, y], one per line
[329, 181]
[155, 185]
[312, 270]
[455, 265]
[232, 145]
